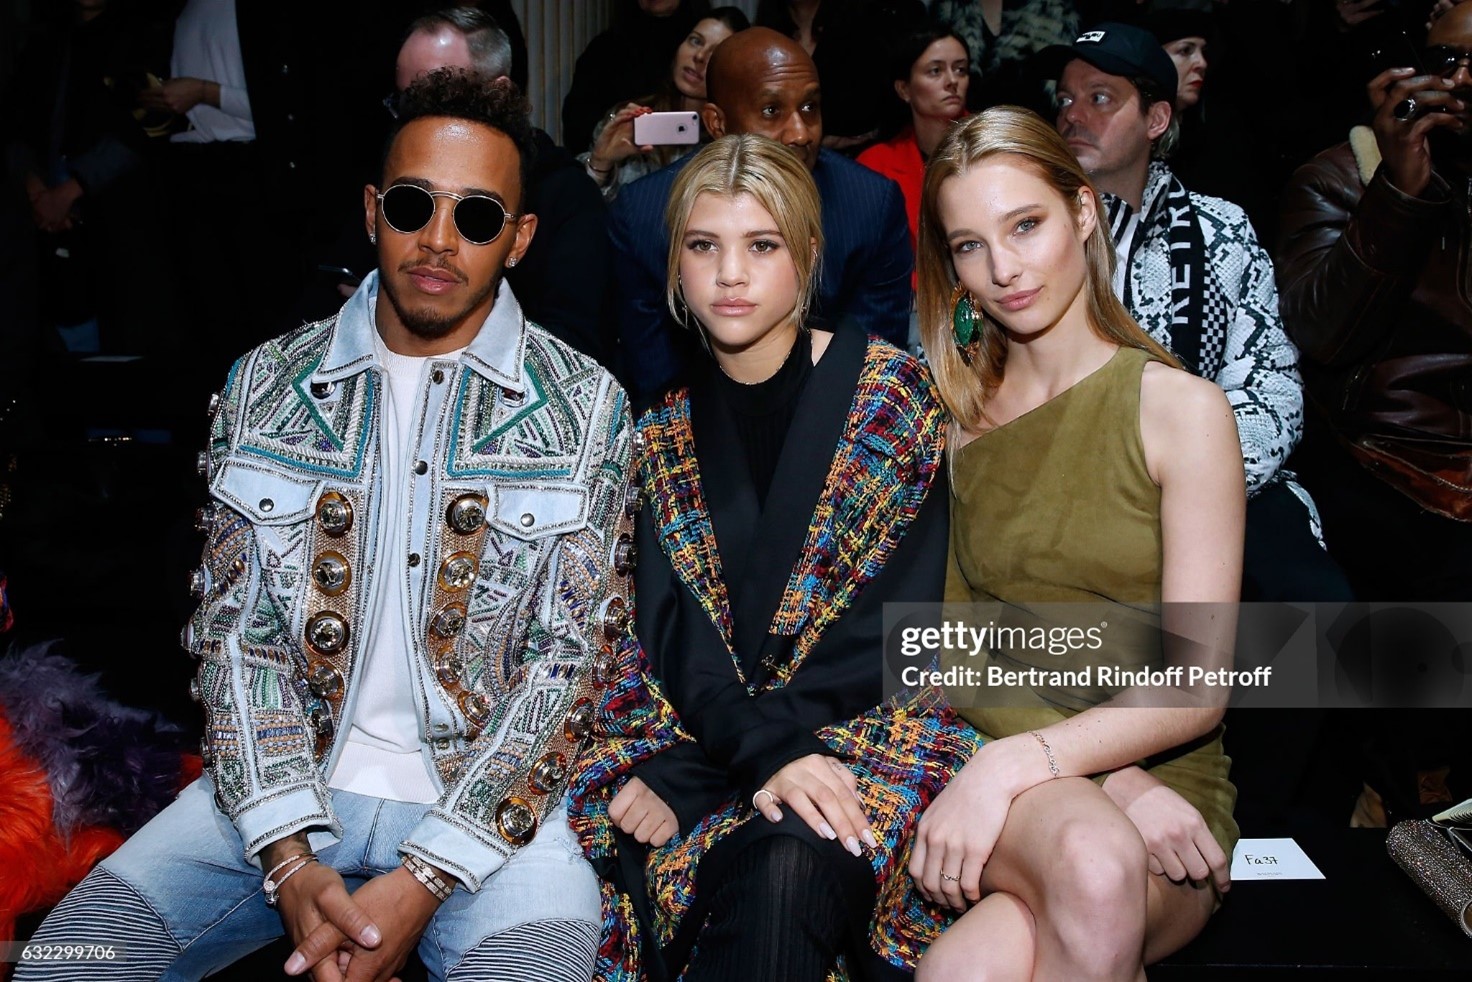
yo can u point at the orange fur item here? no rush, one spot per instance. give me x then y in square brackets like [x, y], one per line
[37, 867]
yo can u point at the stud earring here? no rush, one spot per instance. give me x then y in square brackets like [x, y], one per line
[373, 238]
[511, 263]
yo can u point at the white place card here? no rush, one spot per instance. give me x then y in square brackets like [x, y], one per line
[1272, 859]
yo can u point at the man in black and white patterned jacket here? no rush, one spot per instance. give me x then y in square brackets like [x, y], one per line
[1191, 271]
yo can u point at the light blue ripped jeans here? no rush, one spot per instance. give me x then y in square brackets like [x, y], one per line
[180, 901]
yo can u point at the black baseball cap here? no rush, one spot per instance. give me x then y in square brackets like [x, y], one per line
[1119, 49]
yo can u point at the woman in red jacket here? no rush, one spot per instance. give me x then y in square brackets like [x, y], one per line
[931, 71]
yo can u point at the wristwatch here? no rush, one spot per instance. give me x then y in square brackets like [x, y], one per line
[425, 874]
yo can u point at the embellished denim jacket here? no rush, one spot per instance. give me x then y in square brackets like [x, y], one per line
[520, 547]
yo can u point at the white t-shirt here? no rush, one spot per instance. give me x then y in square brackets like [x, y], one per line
[383, 755]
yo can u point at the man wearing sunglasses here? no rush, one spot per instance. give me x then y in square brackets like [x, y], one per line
[413, 591]
[572, 227]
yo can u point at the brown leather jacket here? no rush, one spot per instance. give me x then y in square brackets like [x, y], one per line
[1376, 292]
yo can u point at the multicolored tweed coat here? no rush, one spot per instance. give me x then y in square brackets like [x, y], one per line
[902, 754]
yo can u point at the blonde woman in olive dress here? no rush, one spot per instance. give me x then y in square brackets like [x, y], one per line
[1082, 841]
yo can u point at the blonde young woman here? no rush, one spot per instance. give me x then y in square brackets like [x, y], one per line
[1085, 467]
[750, 796]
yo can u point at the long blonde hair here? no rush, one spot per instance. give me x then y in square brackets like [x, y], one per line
[772, 174]
[1023, 134]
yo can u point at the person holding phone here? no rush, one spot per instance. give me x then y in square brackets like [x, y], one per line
[750, 801]
[618, 156]
[631, 57]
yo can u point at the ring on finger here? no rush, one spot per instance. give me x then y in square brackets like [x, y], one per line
[949, 877]
[758, 794]
[1405, 110]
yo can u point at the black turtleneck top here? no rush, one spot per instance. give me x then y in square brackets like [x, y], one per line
[763, 411]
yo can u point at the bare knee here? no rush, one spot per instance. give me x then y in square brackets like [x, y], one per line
[1094, 890]
[1097, 865]
[1178, 912]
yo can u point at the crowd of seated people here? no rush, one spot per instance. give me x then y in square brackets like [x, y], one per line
[979, 302]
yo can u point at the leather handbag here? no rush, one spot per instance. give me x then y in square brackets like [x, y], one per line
[1437, 474]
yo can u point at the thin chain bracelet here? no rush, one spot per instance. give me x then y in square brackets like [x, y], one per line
[1048, 752]
[273, 890]
[287, 862]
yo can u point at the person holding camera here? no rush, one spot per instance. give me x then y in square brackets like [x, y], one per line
[1371, 261]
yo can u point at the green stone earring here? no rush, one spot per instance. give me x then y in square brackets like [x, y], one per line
[965, 322]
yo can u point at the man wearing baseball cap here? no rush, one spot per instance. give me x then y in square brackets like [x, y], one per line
[1191, 271]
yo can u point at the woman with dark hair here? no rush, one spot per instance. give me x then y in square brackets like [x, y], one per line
[751, 792]
[631, 57]
[931, 71]
[615, 159]
[1185, 35]
[1217, 152]
[1094, 484]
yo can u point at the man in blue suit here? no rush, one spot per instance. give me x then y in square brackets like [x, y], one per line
[762, 82]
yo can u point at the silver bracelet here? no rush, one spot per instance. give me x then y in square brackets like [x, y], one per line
[273, 890]
[287, 862]
[425, 874]
[1048, 752]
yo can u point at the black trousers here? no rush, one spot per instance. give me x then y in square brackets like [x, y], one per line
[1282, 765]
[1281, 559]
[778, 902]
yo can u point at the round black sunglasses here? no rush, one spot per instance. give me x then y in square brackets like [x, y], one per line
[479, 218]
